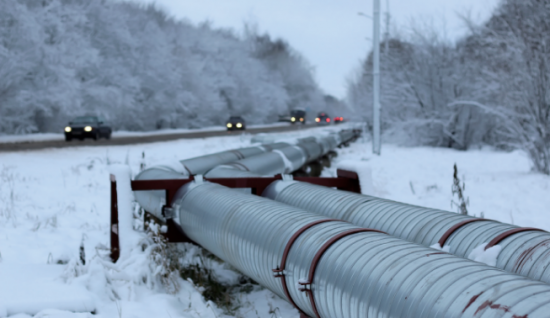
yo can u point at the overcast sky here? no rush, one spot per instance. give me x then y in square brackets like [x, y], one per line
[328, 33]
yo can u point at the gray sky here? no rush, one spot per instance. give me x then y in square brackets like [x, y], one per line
[328, 33]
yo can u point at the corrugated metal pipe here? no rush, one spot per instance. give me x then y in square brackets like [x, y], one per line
[152, 201]
[279, 161]
[525, 251]
[331, 268]
[283, 160]
[265, 160]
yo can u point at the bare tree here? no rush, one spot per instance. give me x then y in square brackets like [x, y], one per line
[511, 55]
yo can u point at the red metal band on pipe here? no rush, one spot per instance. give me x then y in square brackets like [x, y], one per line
[455, 227]
[293, 239]
[240, 165]
[281, 268]
[189, 171]
[237, 153]
[318, 256]
[504, 235]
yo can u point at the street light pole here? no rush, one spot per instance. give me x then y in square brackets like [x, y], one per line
[387, 32]
[376, 144]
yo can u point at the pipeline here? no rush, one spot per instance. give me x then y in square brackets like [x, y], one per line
[264, 160]
[347, 271]
[279, 161]
[525, 251]
[152, 201]
[282, 160]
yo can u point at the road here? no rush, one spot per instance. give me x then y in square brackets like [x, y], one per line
[130, 140]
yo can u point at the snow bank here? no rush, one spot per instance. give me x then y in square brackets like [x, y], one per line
[127, 236]
[33, 288]
[364, 172]
[290, 140]
[139, 285]
[263, 138]
[289, 167]
[489, 256]
[304, 156]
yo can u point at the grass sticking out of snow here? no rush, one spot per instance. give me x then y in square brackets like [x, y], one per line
[204, 273]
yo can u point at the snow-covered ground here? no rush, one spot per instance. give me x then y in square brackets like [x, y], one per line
[499, 184]
[52, 200]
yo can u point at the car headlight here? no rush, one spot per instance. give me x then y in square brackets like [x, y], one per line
[301, 119]
[317, 119]
[229, 125]
[239, 125]
[293, 119]
[88, 128]
[68, 129]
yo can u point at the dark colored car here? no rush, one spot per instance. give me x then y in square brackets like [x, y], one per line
[338, 120]
[284, 118]
[87, 127]
[235, 123]
[298, 116]
[322, 119]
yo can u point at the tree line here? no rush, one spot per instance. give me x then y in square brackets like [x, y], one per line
[491, 87]
[139, 68]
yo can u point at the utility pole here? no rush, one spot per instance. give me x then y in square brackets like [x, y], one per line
[387, 33]
[376, 79]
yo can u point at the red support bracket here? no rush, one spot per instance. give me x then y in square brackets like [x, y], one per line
[352, 184]
[504, 235]
[345, 180]
[115, 243]
[317, 258]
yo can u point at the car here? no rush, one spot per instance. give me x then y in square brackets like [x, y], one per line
[298, 116]
[338, 120]
[235, 123]
[87, 127]
[322, 119]
[284, 118]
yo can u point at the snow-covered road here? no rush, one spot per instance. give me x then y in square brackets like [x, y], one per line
[57, 140]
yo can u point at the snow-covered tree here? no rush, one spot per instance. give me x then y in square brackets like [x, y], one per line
[138, 67]
[509, 63]
[491, 87]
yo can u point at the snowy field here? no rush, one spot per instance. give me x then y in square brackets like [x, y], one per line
[52, 200]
